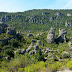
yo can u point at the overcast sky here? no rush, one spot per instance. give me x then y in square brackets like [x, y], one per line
[23, 5]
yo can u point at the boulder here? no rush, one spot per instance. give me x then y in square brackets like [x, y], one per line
[11, 31]
[20, 51]
[68, 23]
[69, 14]
[32, 43]
[70, 44]
[29, 48]
[38, 42]
[32, 52]
[29, 35]
[8, 58]
[58, 14]
[36, 47]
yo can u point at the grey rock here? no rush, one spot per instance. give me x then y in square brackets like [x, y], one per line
[20, 51]
[68, 23]
[29, 35]
[70, 44]
[32, 43]
[58, 14]
[38, 42]
[62, 35]
[51, 36]
[11, 31]
[69, 14]
[32, 52]
[8, 58]
[29, 48]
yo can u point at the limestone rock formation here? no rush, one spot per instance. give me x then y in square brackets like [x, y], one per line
[38, 42]
[62, 35]
[69, 14]
[7, 58]
[2, 26]
[51, 36]
[58, 14]
[20, 51]
[29, 35]
[32, 52]
[36, 47]
[68, 23]
[11, 31]
[70, 44]
[5, 18]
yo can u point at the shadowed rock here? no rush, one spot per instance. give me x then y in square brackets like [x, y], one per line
[62, 35]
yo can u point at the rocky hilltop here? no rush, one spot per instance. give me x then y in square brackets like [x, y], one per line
[42, 19]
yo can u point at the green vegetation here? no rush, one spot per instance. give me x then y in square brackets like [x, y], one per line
[50, 57]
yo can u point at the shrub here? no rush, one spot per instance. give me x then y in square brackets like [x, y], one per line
[69, 65]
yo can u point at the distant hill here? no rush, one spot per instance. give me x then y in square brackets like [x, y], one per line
[37, 19]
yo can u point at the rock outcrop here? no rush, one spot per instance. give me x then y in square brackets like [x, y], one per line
[68, 23]
[51, 36]
[2, 26]
[29, 35]
[62, 35]
[11, 31]
[58, 14]
[20, 51]
[38, 42]
[69, 14]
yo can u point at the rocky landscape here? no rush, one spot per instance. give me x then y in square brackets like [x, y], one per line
[36, 41]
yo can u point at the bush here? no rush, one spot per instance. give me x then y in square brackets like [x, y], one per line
[69, 65]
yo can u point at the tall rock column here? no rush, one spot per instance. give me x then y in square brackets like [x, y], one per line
[51, 36]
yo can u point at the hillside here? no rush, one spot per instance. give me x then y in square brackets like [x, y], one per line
[36, 41]
[36, 20]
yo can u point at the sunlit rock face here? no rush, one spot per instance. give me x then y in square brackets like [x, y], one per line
[51, 36]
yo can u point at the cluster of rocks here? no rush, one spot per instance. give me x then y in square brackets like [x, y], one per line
[58, 14]
[45, 13]
[68, 23]
[69, 14]
[7, 18]
[29, 35]
[32, 49]
[10, 30]
[20, 51]
[61, 38]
